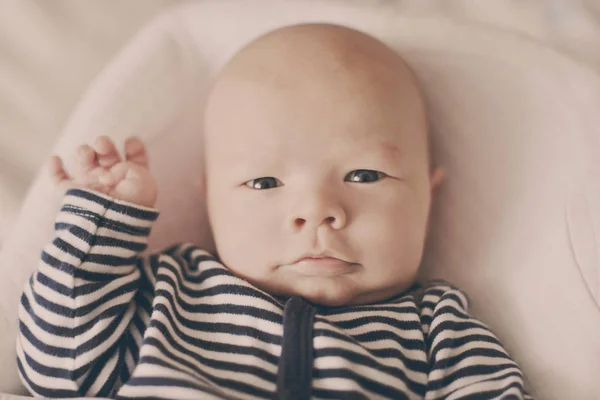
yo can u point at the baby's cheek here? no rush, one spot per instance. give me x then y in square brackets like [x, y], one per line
[390, 247]
[379, 231]
[247, 247]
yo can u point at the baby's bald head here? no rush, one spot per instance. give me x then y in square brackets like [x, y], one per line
[316, 141]
[313, 60]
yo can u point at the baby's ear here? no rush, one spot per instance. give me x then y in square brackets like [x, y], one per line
[436, 177]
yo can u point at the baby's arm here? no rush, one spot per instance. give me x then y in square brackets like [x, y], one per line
[84, 311]
[466, 359]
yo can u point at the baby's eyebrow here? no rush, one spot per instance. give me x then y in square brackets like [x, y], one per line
[387, 150]
[390, 150]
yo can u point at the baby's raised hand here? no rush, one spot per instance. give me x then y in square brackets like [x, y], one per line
[100, 167]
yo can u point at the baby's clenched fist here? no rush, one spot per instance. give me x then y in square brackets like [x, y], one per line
[100, 167]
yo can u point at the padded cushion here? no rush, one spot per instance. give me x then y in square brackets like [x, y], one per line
[516, 126]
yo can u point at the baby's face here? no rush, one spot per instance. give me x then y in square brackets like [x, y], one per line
[318, 162]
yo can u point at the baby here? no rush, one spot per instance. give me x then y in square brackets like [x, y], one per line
[319, 183]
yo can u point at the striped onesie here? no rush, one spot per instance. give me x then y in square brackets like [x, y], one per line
[99, 319]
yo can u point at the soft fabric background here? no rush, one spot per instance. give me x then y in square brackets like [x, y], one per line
[51, 50]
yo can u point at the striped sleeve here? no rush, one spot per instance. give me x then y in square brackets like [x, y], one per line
[467, 361]
[84, 311]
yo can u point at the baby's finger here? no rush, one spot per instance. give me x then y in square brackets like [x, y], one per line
[58, 174]
[106, 152]
[86, 159]
[135, 151]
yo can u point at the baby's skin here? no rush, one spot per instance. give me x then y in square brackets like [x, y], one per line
[316, 143]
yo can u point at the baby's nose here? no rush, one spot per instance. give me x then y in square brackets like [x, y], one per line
[332, 221]
[312, 214]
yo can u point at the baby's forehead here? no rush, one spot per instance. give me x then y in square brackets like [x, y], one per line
[273, 147]
[283, 101]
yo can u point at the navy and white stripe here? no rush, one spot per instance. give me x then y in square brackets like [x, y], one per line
[97, 319]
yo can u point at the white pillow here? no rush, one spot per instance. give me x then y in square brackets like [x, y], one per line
[516, 224]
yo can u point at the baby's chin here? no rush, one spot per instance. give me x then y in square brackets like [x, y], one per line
[329, 292]
[328, 298]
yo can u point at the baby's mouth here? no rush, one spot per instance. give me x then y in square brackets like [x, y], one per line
[321, 266]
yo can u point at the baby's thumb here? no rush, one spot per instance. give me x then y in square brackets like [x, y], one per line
[58, 175]
[56, 170]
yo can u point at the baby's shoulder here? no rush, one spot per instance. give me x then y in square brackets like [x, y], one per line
[435, 293]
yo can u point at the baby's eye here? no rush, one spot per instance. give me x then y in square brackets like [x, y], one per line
[364, 176]
[267, 182]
